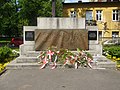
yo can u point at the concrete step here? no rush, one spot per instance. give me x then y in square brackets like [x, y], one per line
[15, 65]
[103, 62]
[33, 53]
[30, 61]
[36, 53]
[24, 59]
[101, 59]
[107, 65]
[96, 65]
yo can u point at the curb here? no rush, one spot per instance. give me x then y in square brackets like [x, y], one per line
[3, 71]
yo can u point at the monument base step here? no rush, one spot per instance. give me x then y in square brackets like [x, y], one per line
[101, 58]
[36, 53]
[110, 65]
[24, 59]
[96, 65]
[30, 61]
[33, 53]
[103, 62]
[15, 65]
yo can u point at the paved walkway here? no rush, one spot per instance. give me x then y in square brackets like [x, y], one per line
[60, 79]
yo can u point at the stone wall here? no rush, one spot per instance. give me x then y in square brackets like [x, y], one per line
[61, 38]
[45, 24]
[61, 23]
[93, 44]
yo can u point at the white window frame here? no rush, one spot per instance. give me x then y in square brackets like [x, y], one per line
[116, 12]
[73, 14]
[99, 14]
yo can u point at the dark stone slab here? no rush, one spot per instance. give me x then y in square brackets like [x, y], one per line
[67, 39]
[92, 35]
[29, 35]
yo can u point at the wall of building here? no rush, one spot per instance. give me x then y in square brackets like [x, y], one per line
[106, 8]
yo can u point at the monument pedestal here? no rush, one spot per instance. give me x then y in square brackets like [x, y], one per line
[71, 34]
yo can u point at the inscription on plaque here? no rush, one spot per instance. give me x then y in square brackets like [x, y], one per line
[29, 35]
[92, 35]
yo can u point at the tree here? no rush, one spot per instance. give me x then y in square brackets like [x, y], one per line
[59, 8]
[31, 9]
[13, 16]
[7, 18]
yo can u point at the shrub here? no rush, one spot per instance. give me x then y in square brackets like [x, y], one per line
[5, 54]
[1, 67]
[114, 51]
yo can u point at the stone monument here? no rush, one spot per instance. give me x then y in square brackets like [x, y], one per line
[67, 33]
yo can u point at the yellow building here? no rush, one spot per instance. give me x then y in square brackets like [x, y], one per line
[106, 15]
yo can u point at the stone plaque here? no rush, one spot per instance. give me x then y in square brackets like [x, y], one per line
[29, 35]
[61, 38]
[92, 35]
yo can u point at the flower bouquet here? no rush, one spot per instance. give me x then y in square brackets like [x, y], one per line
[66, 58]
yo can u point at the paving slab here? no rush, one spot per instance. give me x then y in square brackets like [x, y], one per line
[60, 79]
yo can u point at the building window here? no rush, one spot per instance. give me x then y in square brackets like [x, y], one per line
[89, 15]
[115, 34]
[114, 0]
[100, 34]
[115, 16]
[99, 15]
[73, 14]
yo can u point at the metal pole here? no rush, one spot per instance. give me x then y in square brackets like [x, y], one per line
[53, 8]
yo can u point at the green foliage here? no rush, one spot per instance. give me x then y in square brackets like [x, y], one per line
[79, 49]
[13, 16]
[89, 55]
[1, 67]
[118, 62]
[31, 9]
[5, 54]
[109, 56]
[114, 51]
[83, 62]
[63, 54]
[5, 39]
[8, 17]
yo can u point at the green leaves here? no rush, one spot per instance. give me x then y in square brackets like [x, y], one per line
[8, 21]
[5, 54]
[63, 54]
[113, 51]
[31, 9]
[13, 16]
